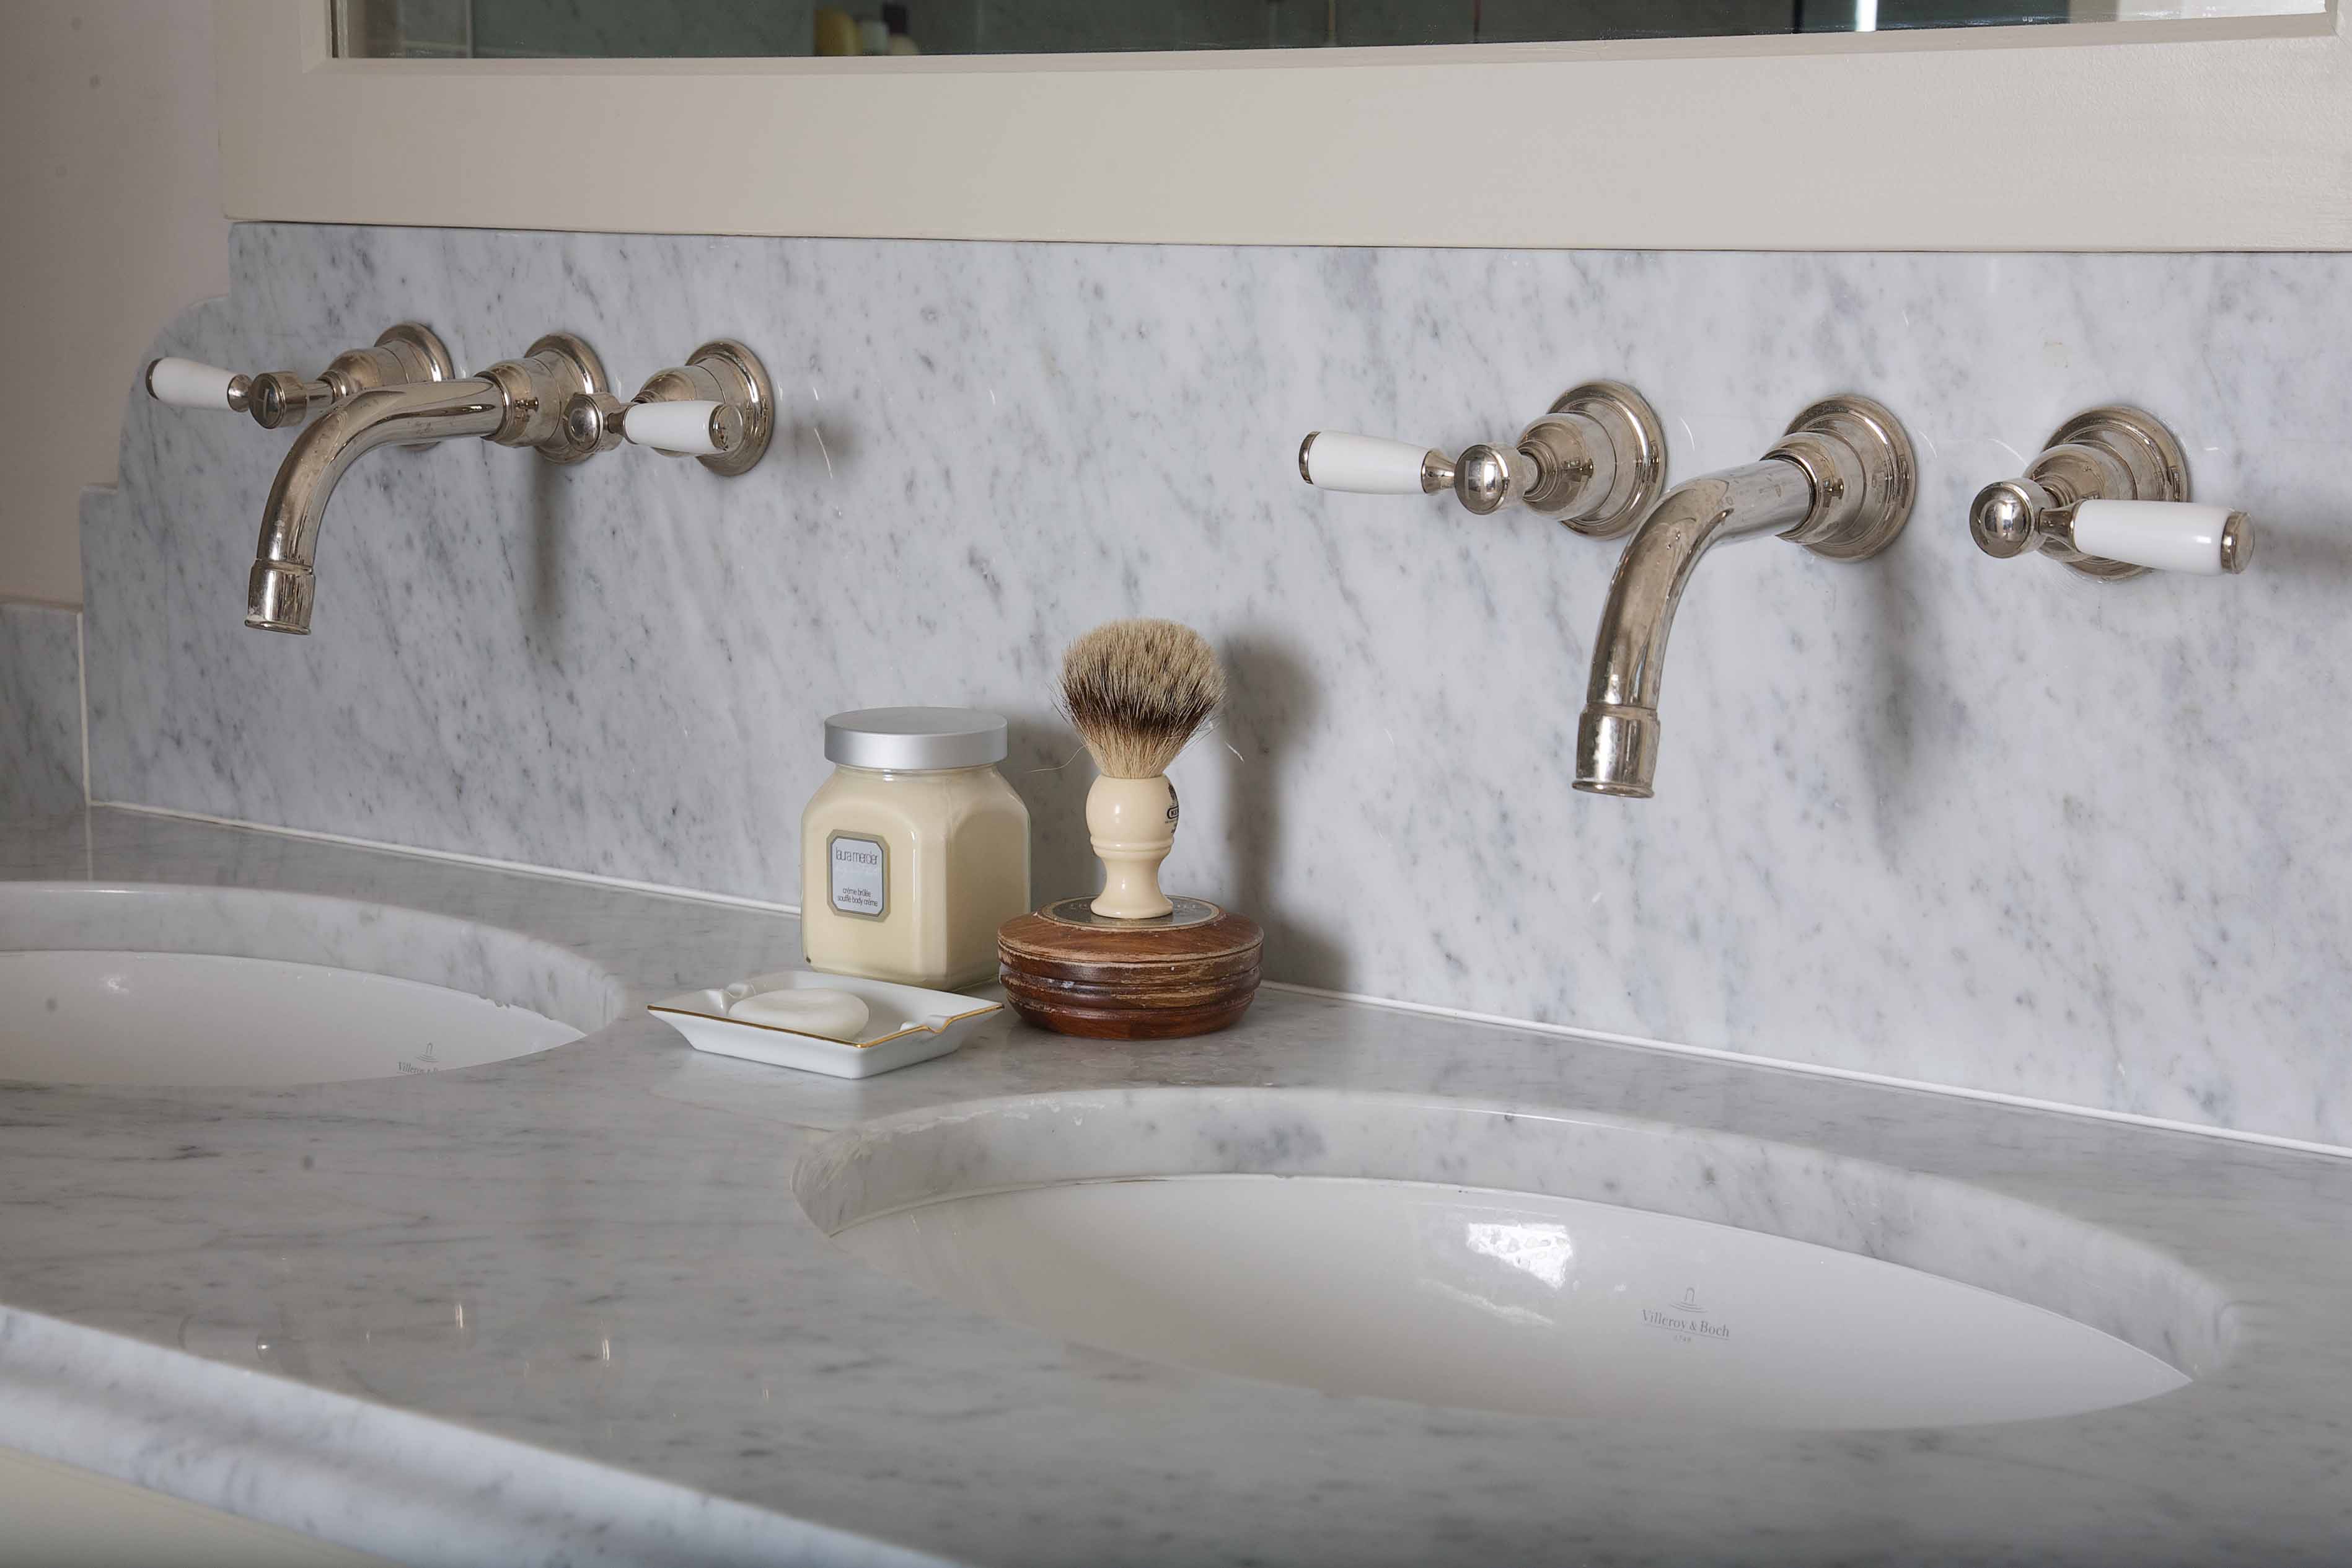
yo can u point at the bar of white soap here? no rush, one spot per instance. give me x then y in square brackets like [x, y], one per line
[834, 1015]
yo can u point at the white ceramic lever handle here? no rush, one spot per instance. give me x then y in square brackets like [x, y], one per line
[2167, 536]
[693, 429]
[1369, 465]
[186, 383]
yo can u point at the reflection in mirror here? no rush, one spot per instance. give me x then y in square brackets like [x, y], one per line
[637, 29]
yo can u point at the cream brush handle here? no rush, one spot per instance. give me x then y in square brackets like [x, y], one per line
[1133, 824]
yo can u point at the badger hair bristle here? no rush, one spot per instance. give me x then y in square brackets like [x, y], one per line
[1138, 691]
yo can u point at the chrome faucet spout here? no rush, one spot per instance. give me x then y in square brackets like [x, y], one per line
[278, 596]
[1617, 739]
[516, 403]
[1839, 483]
[719, 407]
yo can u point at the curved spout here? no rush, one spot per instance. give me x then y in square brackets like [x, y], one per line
[1617, 738]
[278, 595]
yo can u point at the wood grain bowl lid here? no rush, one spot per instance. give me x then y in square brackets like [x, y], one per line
[1191, 972]
[1198, 940]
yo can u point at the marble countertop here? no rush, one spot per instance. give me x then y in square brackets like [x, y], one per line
[567, 1308]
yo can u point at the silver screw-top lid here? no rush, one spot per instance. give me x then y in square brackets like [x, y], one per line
[912, 740]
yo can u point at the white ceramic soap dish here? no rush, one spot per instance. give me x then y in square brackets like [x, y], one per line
[904, 1023]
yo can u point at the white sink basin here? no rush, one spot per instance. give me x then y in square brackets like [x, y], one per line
[207, 987]
[1300, 1238]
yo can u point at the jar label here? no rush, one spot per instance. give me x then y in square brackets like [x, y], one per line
[860, 875]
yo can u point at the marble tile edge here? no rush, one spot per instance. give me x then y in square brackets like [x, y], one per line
[458, 857]
[1350, 998]
[44, 706]
[354, 1473]
[1824, 1069]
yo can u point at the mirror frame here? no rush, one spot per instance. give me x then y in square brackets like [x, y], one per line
[2184, 135]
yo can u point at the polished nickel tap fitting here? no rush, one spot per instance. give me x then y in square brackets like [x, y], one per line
[2109, 497]
[555, 399]
[516, 403]
[719, 406]
[280, 398]
[1595, 461]
[1839, 483]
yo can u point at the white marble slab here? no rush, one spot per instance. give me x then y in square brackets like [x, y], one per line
[1951, 819]
[482, 961]
[569, 1307]
[391, 1482]
[40, 710]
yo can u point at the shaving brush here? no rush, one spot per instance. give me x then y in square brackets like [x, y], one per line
[1131, 963]
[1138, 692]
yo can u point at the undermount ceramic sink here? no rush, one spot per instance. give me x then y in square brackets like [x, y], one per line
[211, 987]
[1558, 1264]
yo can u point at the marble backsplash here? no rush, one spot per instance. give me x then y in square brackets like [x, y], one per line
[40, 710]
[1974, 823]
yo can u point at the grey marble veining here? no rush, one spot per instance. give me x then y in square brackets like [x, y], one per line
[597, 1252]
[486, 961]
[1937, 816]
[40, 710]
[408, 1489]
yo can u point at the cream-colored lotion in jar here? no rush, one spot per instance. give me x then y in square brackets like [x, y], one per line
[915, 850]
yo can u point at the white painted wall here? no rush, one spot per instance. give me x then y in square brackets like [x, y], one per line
[110, 224]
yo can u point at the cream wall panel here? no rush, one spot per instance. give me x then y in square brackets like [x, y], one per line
[112, 188]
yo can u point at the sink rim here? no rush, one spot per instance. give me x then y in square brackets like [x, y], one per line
[1504, 1302]
[323, 931]
[2088, 1272]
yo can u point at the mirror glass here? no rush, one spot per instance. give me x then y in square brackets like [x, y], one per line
[625, 29]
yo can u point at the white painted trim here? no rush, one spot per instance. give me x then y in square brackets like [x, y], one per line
[2220, 134]
[1459, 1015]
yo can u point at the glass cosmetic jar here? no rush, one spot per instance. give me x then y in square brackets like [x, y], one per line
[915, 850]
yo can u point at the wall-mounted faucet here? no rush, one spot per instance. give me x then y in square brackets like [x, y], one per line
[2109, 497]
[405, 353]
[535, 401]
[1595, 461]
[1839, 483]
